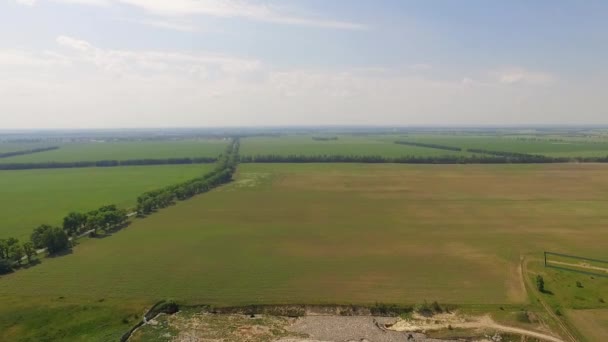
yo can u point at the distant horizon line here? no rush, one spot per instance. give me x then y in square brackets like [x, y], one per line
[341, 126]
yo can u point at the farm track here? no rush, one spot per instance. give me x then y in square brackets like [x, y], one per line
[530, 286]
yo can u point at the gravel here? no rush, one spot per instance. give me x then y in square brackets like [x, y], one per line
[350, 329]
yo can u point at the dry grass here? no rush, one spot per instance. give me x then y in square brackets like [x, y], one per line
[593, 324]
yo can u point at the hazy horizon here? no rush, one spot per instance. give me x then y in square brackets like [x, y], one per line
[127, 64]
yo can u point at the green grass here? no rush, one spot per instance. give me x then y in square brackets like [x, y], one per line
[345, 145]
[124, 150]
[32, 197]
[342, 234]
[13, 147]
[566, 148]
[325, 233]
[60, 319]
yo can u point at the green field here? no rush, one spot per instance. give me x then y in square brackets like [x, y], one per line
[13, 147]
[342, 234]
[33, 197]
[95, 151]
[563, 148]
[345, 145]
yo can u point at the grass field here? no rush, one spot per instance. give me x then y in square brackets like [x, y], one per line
[13, 147]
[33, 197]
[593, 324]
[565, 148]
[124, 150]
[345, 145]
[342, 233]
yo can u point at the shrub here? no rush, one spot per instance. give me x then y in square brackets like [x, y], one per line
[540, 283]
[579, 284]
[424, 309]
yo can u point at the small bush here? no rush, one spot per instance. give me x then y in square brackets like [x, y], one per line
[579, 284]
[522, 317]
[601, 300]
[436, 307]
[540, 283]
[558, 312]
[424, 309]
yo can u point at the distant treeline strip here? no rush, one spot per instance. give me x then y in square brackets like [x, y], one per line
[506, 153]
[107, 163]
[447, 159]
[435, 146]
[30, 151]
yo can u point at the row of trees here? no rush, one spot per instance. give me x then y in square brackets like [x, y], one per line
[110, 218]
[435, 146]
[325, 138]
[107, 218]
[445, 159]
[57, 239]
[106, 163]
[226, 165]
[30, 151]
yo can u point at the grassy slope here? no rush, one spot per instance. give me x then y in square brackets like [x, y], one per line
[342, 233]
[125, 150]
[32, 197]
[345, 145]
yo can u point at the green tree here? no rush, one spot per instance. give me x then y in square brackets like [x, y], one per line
[16, 253]
[5, 266]
[74, 222]
[56, 240]
[5, 247]
[29, 251]
[540, 283]
[37, 236]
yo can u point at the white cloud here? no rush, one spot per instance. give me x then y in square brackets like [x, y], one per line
[20, 58]
[218, 8]
[81, 2]
[26, 2]
[129, 61]
[421, 67]
[102, 87]
[164, 24]
[73, 43]
[518, 75]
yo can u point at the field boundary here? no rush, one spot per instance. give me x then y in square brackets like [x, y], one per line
[106, 163]
[572, 267]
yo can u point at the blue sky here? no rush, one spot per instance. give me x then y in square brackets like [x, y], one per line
[151, 63]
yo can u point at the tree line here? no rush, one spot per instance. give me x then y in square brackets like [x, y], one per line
[110, 218]
[107, 163]
[30, 151]
[435, 146]
[222, 173]
[324, 138]
[56, 240]
[445, 159]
